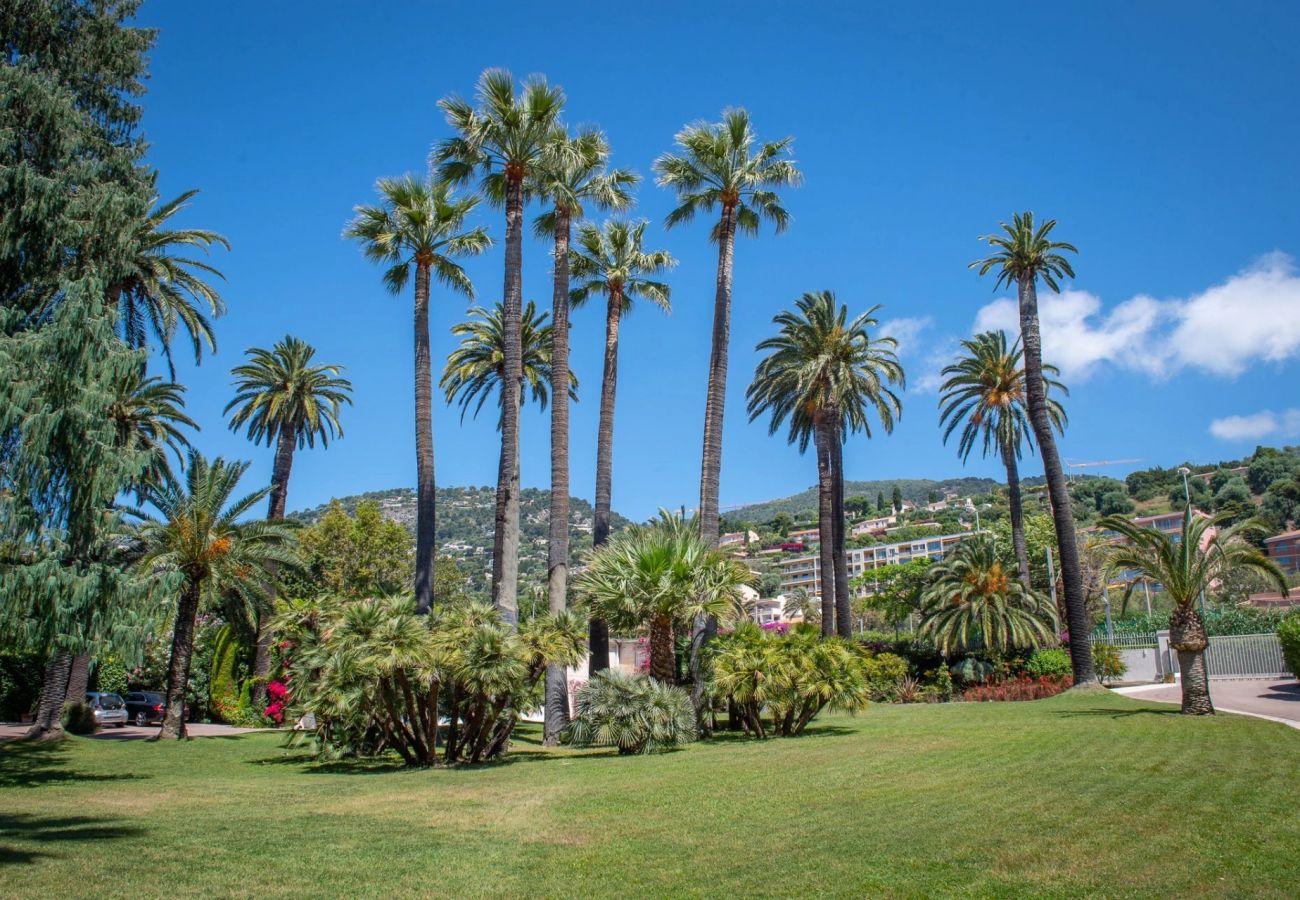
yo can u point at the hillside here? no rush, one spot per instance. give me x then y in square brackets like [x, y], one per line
[803, 506]
[465, 524]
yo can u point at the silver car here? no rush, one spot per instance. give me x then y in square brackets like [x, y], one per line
[110, 709]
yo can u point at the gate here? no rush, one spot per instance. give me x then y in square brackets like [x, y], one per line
[1245, 656]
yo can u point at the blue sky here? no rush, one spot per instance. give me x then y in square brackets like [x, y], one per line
[1162, 135]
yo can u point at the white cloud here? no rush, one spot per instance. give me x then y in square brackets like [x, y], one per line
[1251, 317]
[1257, 425]
[905, 331]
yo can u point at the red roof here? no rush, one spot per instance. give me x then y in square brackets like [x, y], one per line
[1283, 536]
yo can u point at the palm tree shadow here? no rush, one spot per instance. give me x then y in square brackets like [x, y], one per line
[47, 832]
[722, 736]
[32, 763]
[1119, 713]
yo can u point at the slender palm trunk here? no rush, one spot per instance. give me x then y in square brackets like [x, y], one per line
[49, 710]
[78, 679]
[715, 404]
[1017, 514]
[1187, 636]
[843, 598]
[505, 556]
[178, 672]
[283, 466]
[557, 587]
[1036, 399]
[825, 527]
[598, 637]
[426, 523]
[663, 659]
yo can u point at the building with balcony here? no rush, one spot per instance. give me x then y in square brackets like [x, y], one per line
[1284, 550]
[805, 571]
[869, 526]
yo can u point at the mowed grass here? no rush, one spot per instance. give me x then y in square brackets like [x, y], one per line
[1093, 794]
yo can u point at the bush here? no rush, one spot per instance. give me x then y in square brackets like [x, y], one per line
[78, 718]
[1022, 688]
[634, 713]
[885, 673]
[1107, 663]
[223, 683]
[973, 670]
[1289, 634]
[1048, 661]
[110, 676]
[21, 675]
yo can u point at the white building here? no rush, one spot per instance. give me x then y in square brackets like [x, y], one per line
[805, 571]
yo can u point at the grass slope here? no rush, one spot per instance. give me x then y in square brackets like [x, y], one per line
[1074, 795]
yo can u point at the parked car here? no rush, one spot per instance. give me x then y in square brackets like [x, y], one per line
[109, 708]
[145, 707]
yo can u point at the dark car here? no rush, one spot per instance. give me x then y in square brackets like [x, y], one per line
[145, 707]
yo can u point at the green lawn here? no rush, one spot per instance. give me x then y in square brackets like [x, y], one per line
[1094, 794]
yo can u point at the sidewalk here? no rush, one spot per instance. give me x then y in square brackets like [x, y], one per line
[1276, 699]
[195, 729]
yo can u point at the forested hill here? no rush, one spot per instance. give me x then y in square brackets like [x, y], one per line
[803, 506]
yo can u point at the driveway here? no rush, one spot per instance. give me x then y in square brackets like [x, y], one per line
[1270, 698]
[131, 732]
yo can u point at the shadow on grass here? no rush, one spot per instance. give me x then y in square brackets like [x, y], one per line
[813, 731]
[47, 832]
[32, 763]
[1119, 713]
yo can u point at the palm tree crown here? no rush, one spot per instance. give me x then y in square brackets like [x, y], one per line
[476, 369]
[280, 391]
[611, 260]
[419, 223]
[984, 394]
[1026, 251]
[724, 165]
[165, 290]
[148, 413]
[821, 364]
[572, 173]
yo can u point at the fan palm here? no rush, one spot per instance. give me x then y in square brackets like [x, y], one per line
[825, 375]
[420, 226]
[612, 261]
[1185, 564]
[1023, 254]
[164, 290]
[724, 166]
[661, 576]
[282, 399]
[984, 395]
[503, 139]
[572, 176]
[148, 414]
[971, 602]
[199, 540]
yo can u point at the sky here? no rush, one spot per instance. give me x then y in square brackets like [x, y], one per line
[1162, 136]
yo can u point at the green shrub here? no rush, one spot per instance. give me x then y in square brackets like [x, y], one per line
[223, 685]
[1289, 634]
[78, 718]
[110, 676]
[1048, 661]
[1107, 663]
[21, 674]
[634, 713]
[884, 673]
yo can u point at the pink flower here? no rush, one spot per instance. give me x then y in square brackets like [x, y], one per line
[275, 712]
[277, 691]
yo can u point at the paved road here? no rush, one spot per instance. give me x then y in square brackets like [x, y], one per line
[131, 732]
[1278, 698]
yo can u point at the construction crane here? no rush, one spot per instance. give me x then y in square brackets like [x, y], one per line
[1099, 462]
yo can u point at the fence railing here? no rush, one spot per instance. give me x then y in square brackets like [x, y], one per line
[1242, 655]
[1125, 640]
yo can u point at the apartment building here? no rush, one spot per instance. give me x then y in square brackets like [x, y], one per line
[1284, 550]
[867, 526]
[805, 571]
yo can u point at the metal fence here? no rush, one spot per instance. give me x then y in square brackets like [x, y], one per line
[1125, 640]
[1245, 655]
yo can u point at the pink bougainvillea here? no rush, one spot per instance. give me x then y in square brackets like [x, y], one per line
[275, 712]
[276, 690]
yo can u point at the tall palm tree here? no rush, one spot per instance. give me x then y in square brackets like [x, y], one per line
[971, 602]
[1186, 564]
[163, 289]
[612, 260]
[503, 139]
[283, 400]
[825, 374]
[420, 225]
[984, 395]
[662, 576]
[200, 541]
[1024, 253]
[572, 176]
[722, 165]
[148, 414]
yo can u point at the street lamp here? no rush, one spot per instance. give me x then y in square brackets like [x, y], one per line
[1187, 493]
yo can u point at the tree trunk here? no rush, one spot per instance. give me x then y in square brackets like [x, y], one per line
[178, 672]
[78, 679]
[843, 595]
[663, 658]
[598, 638]
[505, 557]
[426, 522]
[825, 528]
[54, 689]
[1187, 636]
[715, 404]
[1017, 514]
[1068, 549]
[283, 466]
[557, 554]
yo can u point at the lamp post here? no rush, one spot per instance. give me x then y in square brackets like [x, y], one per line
[1187, 493]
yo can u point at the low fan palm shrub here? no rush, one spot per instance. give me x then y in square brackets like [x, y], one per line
[634, 713]
[788, 678]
